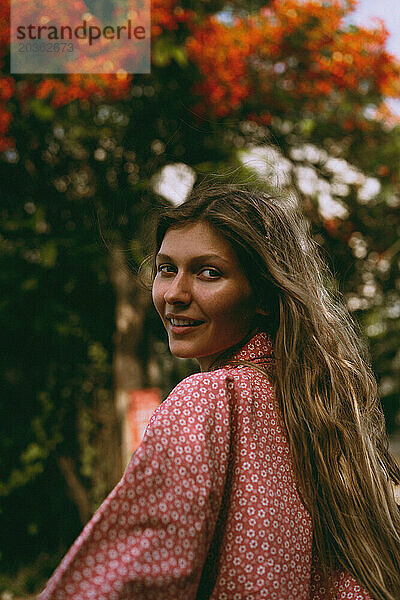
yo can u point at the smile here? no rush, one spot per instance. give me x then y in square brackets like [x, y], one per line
[180, 326]
[184, 322]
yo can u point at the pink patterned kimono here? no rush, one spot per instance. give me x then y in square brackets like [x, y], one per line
[208, 507]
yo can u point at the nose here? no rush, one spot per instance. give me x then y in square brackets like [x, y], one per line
[178, 291]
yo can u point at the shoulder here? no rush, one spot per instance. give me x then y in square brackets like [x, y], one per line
[194, 417]
[197, 402]
[199, 392]
[213, 387]
[211, 392]
[203, 384]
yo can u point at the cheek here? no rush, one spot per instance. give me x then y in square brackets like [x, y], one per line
[157, 294]
[235, 304]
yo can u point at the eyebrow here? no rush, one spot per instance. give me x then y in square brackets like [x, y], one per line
[195, 259]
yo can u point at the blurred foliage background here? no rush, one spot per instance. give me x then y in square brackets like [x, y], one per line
[282, 91]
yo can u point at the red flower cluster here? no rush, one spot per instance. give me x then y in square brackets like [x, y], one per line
[292, 55]
[6, 82]
[83, 87]
[221, 54]
[166, 14]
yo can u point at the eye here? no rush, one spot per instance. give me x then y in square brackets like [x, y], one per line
[212, 273]
[164, 269]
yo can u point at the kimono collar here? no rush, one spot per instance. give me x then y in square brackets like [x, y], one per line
[257, 349]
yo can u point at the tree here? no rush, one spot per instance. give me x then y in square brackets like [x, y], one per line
[79, 156]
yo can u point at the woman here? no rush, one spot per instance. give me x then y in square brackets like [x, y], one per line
[266, 475]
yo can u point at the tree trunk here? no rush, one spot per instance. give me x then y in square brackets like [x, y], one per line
[77, 490]
[132, 302]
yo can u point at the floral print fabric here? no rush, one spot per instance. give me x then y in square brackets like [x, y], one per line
[208, 507]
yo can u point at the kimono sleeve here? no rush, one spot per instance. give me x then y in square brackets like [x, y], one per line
[150, 537]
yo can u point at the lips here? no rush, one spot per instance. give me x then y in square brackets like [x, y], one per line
[184, 319]
[182, 325]
[175, 322]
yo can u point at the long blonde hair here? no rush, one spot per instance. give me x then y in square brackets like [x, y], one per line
[323, 380]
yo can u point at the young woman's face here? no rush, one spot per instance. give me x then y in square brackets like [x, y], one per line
[201, 293]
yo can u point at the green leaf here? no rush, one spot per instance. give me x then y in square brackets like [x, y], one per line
[29, 284]
[32, 453]
[41, 110]
[164, 50]
[49, 254]
[180, 56]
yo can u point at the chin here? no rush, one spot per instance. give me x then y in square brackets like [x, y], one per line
[180, 352]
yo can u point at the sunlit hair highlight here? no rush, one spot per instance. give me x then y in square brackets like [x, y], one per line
[322, 377]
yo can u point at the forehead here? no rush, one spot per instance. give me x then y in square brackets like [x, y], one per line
[196, 239]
